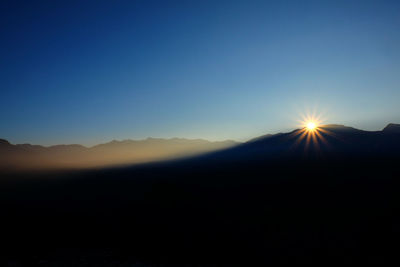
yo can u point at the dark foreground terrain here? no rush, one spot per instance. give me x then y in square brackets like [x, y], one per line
[270, 200]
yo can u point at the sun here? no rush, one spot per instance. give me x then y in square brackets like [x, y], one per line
[311, 126]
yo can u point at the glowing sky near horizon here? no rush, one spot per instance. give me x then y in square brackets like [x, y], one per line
[92, 71]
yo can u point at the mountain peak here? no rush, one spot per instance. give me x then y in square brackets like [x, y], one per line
[392, 128]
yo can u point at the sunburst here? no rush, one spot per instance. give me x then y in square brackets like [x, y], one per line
[311, 131]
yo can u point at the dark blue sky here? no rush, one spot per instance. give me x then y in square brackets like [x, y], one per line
[88, 72]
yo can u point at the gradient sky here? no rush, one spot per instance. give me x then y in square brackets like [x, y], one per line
[88, 72]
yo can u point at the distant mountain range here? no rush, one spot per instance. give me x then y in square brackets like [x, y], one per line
[327, 141]
[111, 153]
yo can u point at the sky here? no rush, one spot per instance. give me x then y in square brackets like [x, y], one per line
[93, 71]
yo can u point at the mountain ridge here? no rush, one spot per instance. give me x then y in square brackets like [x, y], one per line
[114, 141]
[390, 127]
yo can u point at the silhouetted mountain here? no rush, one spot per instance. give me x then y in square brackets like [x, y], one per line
[275, 199]
[115, 152]
[326, 142]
